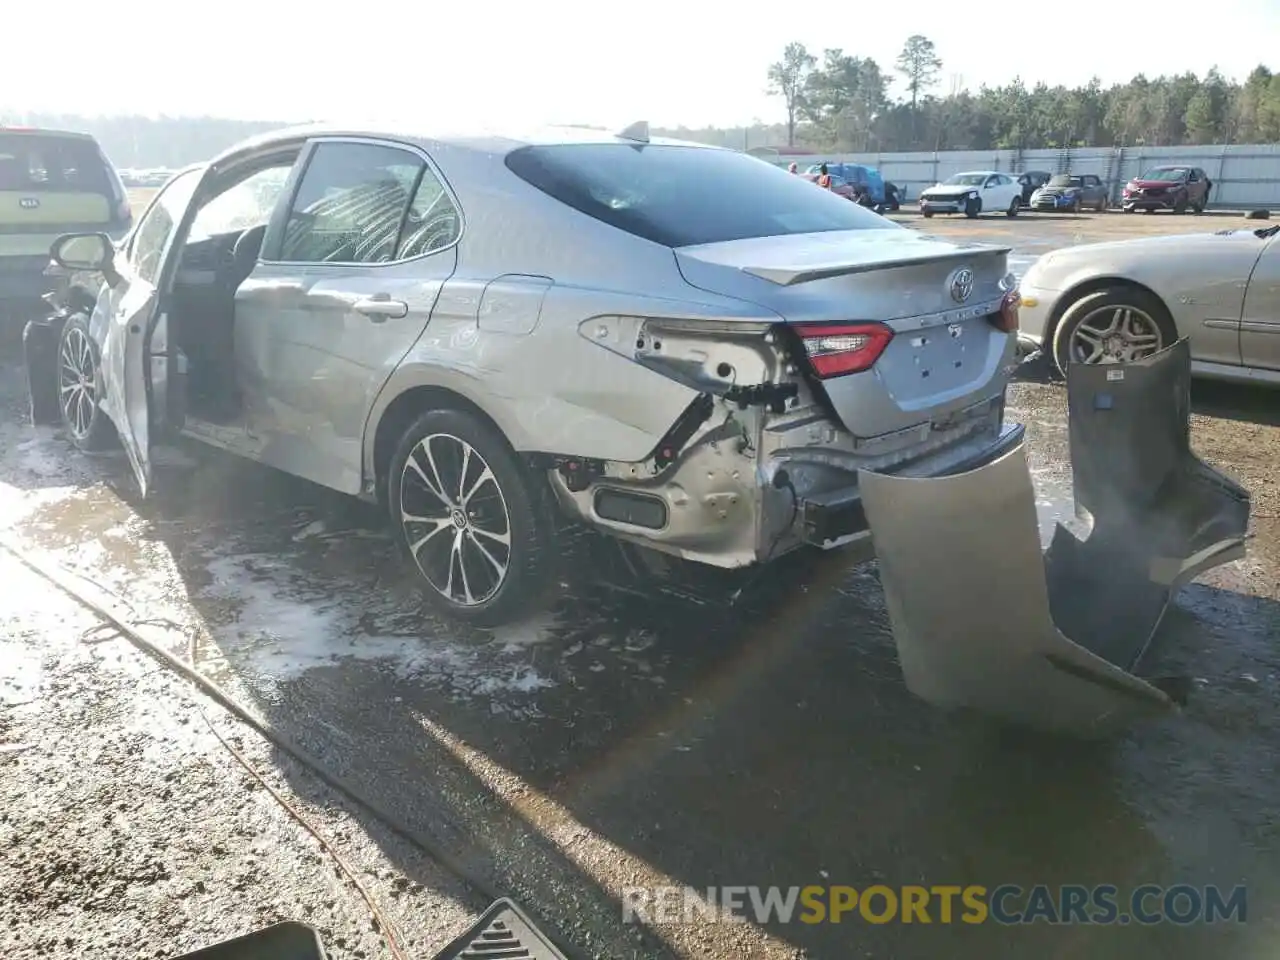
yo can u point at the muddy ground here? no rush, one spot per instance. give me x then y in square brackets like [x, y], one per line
[611, 742]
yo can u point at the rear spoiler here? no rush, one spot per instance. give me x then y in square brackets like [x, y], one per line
[791, 276]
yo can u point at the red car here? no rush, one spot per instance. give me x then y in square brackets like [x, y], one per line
[839, 185]
[1173, 188]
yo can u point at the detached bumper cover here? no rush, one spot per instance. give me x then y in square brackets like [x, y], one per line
[984, 620]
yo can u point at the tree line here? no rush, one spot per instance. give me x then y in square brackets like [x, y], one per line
[145, 142]
[838, 101]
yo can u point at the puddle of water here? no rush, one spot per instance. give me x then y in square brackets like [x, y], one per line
[281, 625]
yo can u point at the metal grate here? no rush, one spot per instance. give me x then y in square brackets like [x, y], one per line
[502, 933]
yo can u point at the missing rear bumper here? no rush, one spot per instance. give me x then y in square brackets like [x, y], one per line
[833, 518]
[1056, 647]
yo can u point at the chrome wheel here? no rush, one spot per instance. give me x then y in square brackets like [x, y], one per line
[77, 383]
[1115, 335]
[455, 518]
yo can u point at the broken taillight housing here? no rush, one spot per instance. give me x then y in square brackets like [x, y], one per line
[1006, 318]
[837, 349]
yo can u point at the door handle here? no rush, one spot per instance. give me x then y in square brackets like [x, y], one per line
[380, 306]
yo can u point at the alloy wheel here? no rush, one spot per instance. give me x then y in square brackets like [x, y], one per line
[77, 383]
[1115, 335]
[455, 518]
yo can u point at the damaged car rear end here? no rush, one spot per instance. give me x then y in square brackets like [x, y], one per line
[806, 339]
[679, 346]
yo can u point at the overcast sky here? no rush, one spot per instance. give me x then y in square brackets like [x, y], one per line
[450, 65]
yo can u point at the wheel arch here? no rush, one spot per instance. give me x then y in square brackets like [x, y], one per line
[398, 411]
[1092, 285]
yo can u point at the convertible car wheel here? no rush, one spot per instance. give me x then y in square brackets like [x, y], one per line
[80, 388]
[1113, 325]
[468, 516]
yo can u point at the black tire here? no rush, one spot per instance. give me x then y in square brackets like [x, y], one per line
[510, 497]
[1118, 295]
[1014, 206]
[1102, 205]
[926, 214]
[79, 380]
[1180, 205]
[972, 208]
[1075, 204]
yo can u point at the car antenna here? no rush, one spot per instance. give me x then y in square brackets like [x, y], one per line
[638, 131]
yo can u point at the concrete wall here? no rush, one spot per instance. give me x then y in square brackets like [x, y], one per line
[1244, 176]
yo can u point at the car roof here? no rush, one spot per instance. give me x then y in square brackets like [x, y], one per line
[485, 142]
[46, 132]
[974, 173]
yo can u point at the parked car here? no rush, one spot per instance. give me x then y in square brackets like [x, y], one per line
[495, 337]
[1108, 302]
[972, 193]
[866, 183]
[1177, 188]
[1071, 192]
[839, 185]
[1031, 181]
[51, 181]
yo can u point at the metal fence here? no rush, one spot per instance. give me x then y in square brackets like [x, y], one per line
[1244, 176]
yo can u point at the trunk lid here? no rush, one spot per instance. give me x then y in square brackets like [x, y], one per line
[945, 353]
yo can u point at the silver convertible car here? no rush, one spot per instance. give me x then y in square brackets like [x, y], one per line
[678, 345]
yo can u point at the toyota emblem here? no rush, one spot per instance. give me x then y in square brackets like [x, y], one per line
[29, 203]
[961, 285]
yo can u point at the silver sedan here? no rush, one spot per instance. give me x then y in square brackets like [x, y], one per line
[680, 346]
[1112, 302]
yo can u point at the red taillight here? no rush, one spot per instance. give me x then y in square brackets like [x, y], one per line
[1006, 319]
[836, 349]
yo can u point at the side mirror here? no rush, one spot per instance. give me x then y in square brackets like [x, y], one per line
[83, 251]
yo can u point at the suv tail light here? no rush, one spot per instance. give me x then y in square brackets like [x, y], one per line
[1006, 318]
[836, 349]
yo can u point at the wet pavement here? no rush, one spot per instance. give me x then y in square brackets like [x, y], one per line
[616, 741]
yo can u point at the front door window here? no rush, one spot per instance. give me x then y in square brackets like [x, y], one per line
[146, 247]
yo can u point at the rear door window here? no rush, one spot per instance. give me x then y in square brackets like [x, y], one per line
[681, 196]
[36, 163]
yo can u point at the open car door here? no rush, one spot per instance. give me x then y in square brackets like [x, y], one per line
[130, 322]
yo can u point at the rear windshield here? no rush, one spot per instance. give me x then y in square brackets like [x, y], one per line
[35, 163]
[1062, 180]
[680, 196]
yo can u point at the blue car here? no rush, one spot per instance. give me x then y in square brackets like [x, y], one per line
[865, 179]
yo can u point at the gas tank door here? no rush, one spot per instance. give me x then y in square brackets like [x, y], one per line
[512, 303]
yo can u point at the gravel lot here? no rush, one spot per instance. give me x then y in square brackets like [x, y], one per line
[608, 743]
